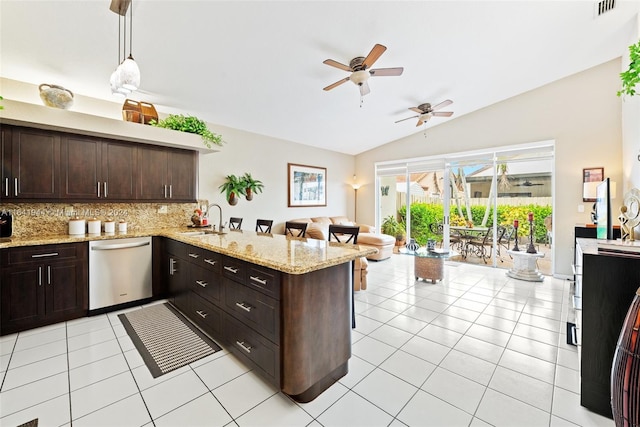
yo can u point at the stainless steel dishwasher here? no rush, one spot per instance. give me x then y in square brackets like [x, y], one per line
[119, 271]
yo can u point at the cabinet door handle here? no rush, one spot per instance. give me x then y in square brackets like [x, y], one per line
[105, 189]
[194, 255]
[6, 187]
[210, 261]
[201, 283]
[98, 189]
[202, 314]
[259, 280]
[48, 274]
[15, 186]
[244, 346]
[172, 268]
[170, 191]
[39, 276]
[243, 306]
[231, 269]
[44, 255]
[164, 188]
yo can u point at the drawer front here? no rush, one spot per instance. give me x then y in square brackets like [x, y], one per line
[258, 311]
[253, 348]
[205, 283]
[210, 260]
[264, 280]
[44, 253]
[206, 315]
[234, 269]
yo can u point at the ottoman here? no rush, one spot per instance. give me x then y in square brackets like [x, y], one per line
[382, 242]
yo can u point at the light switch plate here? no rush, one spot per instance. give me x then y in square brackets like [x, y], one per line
[162, 209]
[580, 208]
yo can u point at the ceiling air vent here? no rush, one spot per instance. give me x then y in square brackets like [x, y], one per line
[603, 6]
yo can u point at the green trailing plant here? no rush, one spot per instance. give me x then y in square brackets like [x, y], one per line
[251, 185]
[1, 107]
[631, 77]
[189, 124]
[233, 187]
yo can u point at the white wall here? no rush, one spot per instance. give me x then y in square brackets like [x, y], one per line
[581, 113]
[266, 159]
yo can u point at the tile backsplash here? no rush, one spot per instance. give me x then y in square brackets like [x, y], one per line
[47, 219]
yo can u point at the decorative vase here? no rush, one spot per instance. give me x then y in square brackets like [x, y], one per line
[412, 245]
[56, 96]
[249, 195]
[625, 370]
[233, 199]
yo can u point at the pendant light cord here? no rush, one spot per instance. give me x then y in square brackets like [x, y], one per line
[130, 28]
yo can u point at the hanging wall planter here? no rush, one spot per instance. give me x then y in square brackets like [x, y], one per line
[251, 186]
[233, 187]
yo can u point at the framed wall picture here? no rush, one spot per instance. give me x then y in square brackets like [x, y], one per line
[591, 177]
[307, 185]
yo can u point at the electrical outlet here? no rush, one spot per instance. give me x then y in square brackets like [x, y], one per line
[68, 211]
[581, 208]
[162, 209]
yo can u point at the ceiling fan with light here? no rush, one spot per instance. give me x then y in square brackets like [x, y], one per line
[426, 112]
[360, 69]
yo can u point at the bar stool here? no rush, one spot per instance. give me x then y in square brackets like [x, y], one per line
[264, 225]
[351, 231]
[235, 223]
[299, 227]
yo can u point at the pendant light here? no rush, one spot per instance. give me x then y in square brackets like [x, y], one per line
[126, 78]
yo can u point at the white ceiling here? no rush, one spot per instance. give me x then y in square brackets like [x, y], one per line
[257, 65]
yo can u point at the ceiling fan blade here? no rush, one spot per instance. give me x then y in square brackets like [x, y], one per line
[442, 113]
[408, 118]
[416, 110]
[338, 83]
[386, 71]
[337, 64]
[420, 122]
[441, 105]
[364, 88]
[373, 56]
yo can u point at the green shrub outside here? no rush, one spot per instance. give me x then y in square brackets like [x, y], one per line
[424, 214]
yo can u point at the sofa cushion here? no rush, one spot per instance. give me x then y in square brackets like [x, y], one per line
[317, 231]
[322, 220]
[341, 220]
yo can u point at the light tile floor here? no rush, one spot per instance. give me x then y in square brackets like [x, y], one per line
[476, 349]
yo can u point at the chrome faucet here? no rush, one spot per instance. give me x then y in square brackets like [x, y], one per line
[220, 226]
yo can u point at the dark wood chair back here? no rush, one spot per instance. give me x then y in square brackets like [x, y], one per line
[339, 231]
[264, 225]
[295, 229]
[235, 223]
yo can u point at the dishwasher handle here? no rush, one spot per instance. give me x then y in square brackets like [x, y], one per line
[119, 246]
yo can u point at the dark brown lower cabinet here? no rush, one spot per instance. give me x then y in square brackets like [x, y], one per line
[294, 330]
[42, 285]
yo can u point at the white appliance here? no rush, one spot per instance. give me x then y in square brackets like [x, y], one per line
[119, 271]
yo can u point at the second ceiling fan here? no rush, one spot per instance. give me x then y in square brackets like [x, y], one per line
[426, 112]
[360, 69]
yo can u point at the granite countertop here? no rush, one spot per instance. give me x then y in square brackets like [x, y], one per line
[276, 251]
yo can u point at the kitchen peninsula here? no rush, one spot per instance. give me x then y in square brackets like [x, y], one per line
[281, 304]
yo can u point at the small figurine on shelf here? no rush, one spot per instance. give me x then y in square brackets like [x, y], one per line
[196, 218]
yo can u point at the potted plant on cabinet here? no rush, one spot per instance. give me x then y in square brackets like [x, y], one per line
[189, 124]
[251, 186]
[233, 187]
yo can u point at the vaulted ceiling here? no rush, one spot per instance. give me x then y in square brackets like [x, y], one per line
[258, 65]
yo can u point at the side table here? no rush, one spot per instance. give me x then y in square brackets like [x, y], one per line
[525, 267]
[428, 265]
